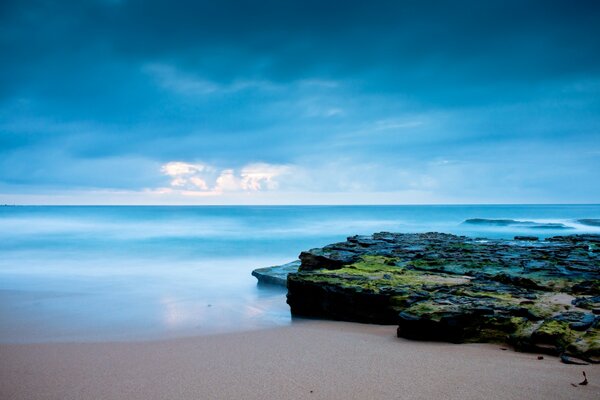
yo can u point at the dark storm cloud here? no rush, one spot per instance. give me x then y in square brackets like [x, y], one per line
[428, 48]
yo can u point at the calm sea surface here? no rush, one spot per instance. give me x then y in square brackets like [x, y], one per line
[123, 273]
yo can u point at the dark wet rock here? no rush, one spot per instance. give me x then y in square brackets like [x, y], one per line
[583, 239]
[536, 295]
[339, 302]
[577, 320]
[276, 275]
[527, 238]
[455, 322]
[568, 360]
[591, 287]
[328, 258]
[516, 281]
[589, 303]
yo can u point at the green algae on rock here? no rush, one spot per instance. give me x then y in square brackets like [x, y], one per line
[536, 295]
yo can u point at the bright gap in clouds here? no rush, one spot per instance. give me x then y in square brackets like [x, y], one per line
[192, 178]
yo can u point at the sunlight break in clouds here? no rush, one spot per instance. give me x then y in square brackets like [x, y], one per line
[195, 178]
[262, 176]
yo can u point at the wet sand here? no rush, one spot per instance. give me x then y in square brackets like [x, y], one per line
[308, 360]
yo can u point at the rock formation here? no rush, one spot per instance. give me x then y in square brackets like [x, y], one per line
[536, 295]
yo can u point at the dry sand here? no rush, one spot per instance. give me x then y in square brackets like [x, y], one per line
[308, 360]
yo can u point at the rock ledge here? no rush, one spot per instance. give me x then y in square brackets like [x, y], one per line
[541, 296]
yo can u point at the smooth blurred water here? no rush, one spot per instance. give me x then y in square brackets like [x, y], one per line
[121, 273]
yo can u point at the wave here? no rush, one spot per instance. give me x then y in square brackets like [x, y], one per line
[518, 223]
[106, 227]
[589, 221]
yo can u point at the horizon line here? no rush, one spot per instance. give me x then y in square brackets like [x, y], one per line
[301, 205]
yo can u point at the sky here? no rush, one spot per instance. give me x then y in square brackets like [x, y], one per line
[299, 102]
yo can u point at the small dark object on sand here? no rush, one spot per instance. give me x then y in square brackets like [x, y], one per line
[503, 348]
[540, 357]
[585, 381]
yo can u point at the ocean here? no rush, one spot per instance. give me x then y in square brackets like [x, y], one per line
[125, 273]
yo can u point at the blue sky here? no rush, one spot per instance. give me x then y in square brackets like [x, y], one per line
[299, 102]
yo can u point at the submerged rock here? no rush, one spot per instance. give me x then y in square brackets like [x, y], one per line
[527, 238]
[536, 295]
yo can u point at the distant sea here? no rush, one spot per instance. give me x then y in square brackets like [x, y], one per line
[124, 273]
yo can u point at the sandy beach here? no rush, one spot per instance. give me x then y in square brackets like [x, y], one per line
[308, 360]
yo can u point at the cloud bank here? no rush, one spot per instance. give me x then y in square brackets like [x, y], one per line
[299, 101]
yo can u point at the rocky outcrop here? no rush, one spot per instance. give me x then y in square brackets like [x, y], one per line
[536, 295]
[276, 275]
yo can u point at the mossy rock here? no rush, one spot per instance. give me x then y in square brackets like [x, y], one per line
[555, 333]
[452, 288]
[586, 346]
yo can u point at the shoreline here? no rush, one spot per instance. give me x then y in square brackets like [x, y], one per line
[332, 359]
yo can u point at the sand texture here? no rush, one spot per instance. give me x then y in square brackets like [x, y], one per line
[308, 360]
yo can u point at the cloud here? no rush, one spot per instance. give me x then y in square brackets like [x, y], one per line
[199, 183]
[227, 182]
[194, 178]
[356, 99]
[178, 169]
[170, 78]
[187, 175]
[262, 176]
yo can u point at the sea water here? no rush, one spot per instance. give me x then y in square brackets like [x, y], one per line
[131, 273]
